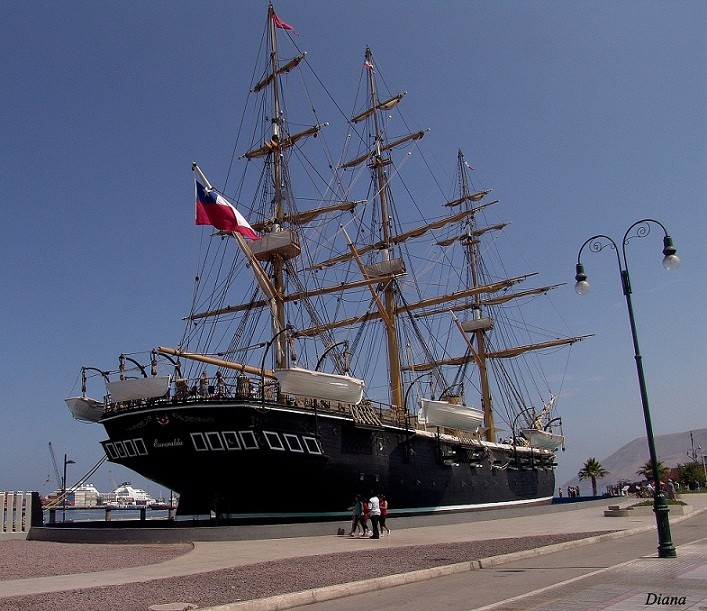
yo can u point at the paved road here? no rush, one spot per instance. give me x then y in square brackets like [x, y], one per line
[624, 573]
[615, 569]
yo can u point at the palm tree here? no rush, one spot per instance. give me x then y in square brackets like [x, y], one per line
[647, 470]
[593, 470]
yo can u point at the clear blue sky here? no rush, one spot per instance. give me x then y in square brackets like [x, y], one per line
[582, 117]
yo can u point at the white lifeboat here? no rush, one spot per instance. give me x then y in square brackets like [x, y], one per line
[543, 439]
[450, 415]
[85, 408]
[319, 385]
[132, 389]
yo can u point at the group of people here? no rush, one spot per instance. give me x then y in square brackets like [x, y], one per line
[572, 491]
[205, 389]
[375, 509]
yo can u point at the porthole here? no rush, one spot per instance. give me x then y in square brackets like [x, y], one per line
[230, 438]
[110, 450]
[199, 442]
[274, 440]
[248, 440]
[293, 442]
[312, 445]
[140, 446]
[214, 440]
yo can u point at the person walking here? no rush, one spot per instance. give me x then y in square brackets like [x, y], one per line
[384, 513]
[356, 515]
[365, 516]
[374, 511]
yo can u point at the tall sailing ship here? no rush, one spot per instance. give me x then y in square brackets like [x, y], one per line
[334, 346]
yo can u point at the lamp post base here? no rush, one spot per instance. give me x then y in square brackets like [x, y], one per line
[666, 549]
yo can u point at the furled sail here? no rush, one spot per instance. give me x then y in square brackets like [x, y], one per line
[275, 144]
[360, 159]
[398, 239]
[387, 105]
[500, 354]
[293, 63]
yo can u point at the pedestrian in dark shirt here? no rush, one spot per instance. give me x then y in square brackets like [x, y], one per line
[356, 515]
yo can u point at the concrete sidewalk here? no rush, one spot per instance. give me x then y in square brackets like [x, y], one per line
[588, 577]
[617, 571]
[214, 555]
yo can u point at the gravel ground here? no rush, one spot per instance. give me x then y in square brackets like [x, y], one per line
[20, 558]
[228, 585]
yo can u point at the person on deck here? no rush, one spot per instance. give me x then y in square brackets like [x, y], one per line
[203, 384]
[220, 385]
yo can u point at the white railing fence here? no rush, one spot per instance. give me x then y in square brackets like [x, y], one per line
[19, 511]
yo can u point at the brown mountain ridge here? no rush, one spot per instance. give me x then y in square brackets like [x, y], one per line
[672, 449]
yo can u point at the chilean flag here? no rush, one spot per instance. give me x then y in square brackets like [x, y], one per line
[213, 209]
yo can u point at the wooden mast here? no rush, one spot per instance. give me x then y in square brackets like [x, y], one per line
[378, 164]
[472, 252]
[278, 323]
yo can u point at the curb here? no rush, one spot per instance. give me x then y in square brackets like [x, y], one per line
[326, 593]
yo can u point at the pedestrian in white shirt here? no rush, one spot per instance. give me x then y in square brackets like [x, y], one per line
[374, 510]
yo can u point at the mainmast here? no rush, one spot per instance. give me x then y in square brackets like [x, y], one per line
[378, 163]
[478, 324]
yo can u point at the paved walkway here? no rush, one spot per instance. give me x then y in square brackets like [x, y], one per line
[619, 574]
[215, 555]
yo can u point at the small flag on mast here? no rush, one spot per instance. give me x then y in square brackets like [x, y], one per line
[279, 23]
[368, 65]
[213, 209]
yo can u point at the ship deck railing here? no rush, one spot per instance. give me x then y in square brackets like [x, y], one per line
[185, 391]
[366, 414]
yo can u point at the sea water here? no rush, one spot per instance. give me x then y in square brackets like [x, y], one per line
[98, 514]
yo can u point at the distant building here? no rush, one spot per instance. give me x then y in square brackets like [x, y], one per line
[127, 496]
[54, 498]
[86, 496]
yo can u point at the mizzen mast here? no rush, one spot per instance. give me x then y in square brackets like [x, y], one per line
[478, 325]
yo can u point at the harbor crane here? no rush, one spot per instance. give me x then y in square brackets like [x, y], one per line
[59, 481]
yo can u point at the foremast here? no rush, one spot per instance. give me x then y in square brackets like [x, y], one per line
[269, 257]
[279, 243]
[278, 212]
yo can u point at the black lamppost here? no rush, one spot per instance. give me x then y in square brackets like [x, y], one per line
[63, 488]
[287, 329]
[670, 263]
[704, 467]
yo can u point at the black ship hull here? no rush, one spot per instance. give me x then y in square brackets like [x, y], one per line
[248, 460]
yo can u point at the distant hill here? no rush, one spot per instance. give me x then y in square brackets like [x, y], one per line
[622, 465]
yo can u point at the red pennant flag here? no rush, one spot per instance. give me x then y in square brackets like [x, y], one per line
[279, 23]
